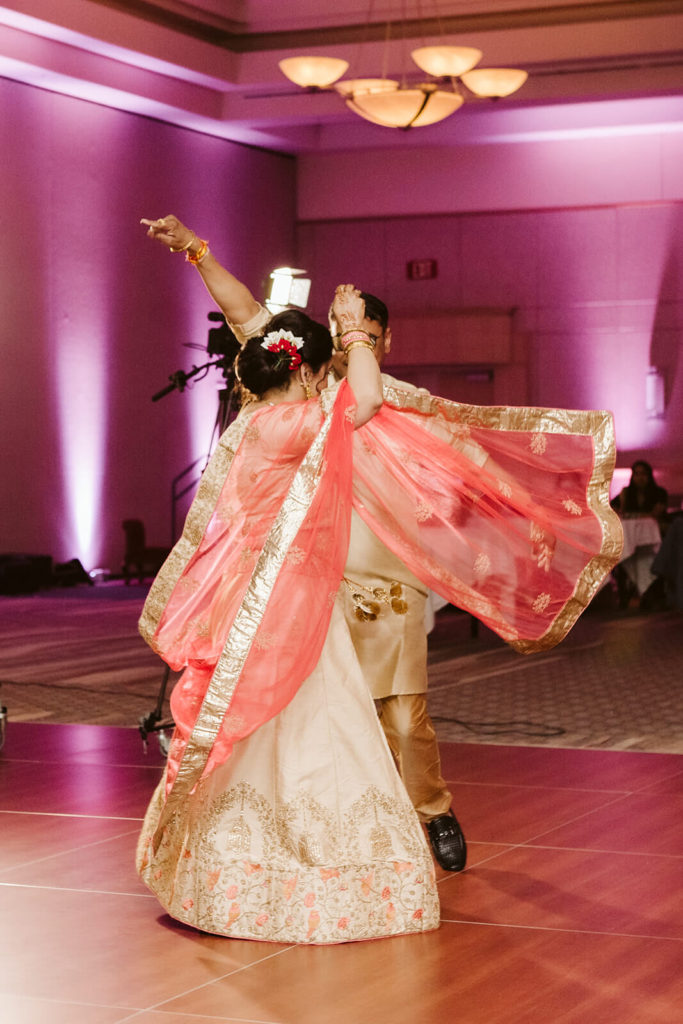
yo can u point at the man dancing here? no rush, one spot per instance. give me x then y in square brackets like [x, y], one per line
[385, 612]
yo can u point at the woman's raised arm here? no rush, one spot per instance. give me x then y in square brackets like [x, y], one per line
[234, 298]
[363, 372]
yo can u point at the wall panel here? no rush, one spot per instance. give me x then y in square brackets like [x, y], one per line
[96, 316]
[595, 294]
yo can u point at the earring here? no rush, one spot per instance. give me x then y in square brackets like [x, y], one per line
[306, 386]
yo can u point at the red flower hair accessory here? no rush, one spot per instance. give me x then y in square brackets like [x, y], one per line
[286, 345]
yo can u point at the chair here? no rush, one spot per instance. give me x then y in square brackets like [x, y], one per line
[147, 560]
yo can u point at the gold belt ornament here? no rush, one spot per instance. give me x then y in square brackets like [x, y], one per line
[368, 601]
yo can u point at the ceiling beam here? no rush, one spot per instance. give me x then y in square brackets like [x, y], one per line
[224, 33]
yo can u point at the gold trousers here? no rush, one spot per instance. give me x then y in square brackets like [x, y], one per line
[412, 740]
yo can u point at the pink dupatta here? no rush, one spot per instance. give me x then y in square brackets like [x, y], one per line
[504, 512]
[244, 601]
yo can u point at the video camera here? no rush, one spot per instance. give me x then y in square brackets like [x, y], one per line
[222, 342]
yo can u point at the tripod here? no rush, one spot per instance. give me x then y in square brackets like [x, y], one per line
[154, 721]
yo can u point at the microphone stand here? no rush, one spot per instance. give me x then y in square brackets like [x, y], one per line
[153, 722]
[180, 378]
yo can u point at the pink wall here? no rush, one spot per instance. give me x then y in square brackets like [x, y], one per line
[632, 153]
[580, 239]
[95, 317]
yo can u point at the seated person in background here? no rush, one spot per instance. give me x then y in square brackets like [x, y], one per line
[642, 496]
[668, 562]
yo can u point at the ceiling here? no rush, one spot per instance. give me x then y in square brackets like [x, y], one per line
[212, 65]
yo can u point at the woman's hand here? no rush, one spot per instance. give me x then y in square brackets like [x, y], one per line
[170, 232]
[234, 298]
[348, 308]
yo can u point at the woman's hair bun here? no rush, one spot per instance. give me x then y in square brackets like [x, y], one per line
[259, 369]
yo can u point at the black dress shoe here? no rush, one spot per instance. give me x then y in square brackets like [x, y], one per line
[448, 842]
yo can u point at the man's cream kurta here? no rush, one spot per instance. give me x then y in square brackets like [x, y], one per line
[392, 647]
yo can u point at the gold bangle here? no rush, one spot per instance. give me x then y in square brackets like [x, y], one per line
[202, 256]
[198, 256]
[360, 344]
[184, 248]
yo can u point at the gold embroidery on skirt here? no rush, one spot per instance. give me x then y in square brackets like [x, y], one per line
[239, 837]
[310, 850]
[380, 842]
[354, 893]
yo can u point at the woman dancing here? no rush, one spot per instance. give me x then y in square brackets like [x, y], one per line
[280, 815]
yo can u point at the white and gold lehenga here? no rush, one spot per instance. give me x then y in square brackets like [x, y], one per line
[281, 815]
[305, 834]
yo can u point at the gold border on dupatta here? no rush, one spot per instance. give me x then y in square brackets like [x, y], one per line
[598, 424]
[198, 517]
[245, 626]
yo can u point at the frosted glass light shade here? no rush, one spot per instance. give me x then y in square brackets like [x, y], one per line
[446, 61]
[405, 108]
[494, 82]
[351, 86]
[313, 72]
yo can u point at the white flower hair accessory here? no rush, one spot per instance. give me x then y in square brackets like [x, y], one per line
[286, 345]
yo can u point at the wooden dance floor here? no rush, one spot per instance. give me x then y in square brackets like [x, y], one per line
[570, 910]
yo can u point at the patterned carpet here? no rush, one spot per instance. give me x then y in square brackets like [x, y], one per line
[614, 683]
[74, 655]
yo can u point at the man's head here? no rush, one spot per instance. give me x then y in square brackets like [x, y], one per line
[376, 323]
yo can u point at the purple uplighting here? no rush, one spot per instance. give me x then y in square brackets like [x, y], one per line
[81, 397]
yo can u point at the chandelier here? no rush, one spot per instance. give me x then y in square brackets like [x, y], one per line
[393, 104]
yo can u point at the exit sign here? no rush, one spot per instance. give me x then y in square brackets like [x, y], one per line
[421, 270]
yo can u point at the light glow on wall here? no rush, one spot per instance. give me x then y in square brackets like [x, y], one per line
[604, 339]
[81, 401]
[202, 414]
[602, 132]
